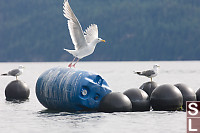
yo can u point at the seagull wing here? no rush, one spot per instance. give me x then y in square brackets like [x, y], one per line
[148, 73]
[74, 26]
[13, 72]
[91, 33]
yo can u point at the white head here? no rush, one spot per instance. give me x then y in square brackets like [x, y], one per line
[21, 67]
[101, 40]
[156, 66]
[98, 40]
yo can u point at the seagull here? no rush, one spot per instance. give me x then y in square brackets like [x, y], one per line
[149, 73]
[84, 42]
[14, 72]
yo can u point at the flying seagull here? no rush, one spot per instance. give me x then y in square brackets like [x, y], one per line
[84, 42]
[14, 72]
[149, 73]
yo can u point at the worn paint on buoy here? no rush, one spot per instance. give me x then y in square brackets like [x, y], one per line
[67, 89]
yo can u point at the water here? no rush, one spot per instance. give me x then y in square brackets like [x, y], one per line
[30, 116]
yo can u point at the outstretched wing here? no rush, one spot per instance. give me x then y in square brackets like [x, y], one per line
[74, 26]
[91, 33]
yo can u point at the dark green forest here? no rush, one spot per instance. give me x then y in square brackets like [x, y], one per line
[134, 30]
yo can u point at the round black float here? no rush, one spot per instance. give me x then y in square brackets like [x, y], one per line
[166, 98]
[115, 102]
[148, 87]
[187, 92]
[139, 99]
[17, 90]
[198, 94]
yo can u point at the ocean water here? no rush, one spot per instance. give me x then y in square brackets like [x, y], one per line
[31, 117]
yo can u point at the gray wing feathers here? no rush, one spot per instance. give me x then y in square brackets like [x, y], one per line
[148, 73]
[14, 72]
[68, 13]
[74, 26]
[91, 33]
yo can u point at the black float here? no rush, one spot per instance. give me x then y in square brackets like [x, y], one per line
[166, 98]
[139, 99]
[148, 87]
[187, 92]
[198, 94]
[17, 90]
[115, 102]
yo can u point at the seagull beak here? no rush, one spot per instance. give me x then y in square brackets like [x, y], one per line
[103, 40]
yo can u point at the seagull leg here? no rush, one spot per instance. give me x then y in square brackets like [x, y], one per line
[151, 79]
[16, 77]
[70, 65]
[76, 62]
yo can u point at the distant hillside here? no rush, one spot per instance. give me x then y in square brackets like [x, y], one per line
[134, 29]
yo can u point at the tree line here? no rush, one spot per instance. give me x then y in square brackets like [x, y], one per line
[134, 30]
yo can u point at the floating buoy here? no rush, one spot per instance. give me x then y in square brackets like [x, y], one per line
[166, 98]
[139, 99]
[67, 89]
[148, 87]
[115, 102]
[187, 92]
[198, 94]
[17, 90]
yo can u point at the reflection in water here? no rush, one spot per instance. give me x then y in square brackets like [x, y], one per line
[15, 101]
[29, 116]
[75, 119]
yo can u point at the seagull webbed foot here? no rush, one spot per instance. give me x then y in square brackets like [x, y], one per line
[74, 65]
[70, 65]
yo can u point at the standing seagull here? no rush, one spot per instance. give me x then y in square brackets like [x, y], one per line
[14, 72]
[149, 73]
[84, 42]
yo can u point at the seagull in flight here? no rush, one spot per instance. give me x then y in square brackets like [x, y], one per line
[14, 72]
[84, 42]
[149, 73]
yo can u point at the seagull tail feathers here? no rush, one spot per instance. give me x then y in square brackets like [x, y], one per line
[70, 51]
[139, 73]
[5, 74]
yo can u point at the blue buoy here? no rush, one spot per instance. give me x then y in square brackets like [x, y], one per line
[67, 89]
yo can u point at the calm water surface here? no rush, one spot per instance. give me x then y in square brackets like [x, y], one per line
[31, 117]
